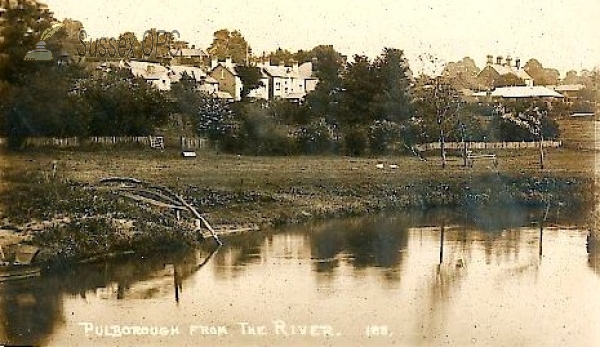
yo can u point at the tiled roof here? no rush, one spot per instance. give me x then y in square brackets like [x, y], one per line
[303, 71]
[231, 70]
[223, 95]
[192, 71]
[505, 70]
[281, 71]
[522, 92]
[569, 87]
[192, 52]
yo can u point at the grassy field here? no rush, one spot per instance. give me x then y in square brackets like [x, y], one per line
[232, 189]
[237, 188]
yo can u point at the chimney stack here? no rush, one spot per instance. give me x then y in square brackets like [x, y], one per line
[228, 63]
[490, 59]
[214, 62]
[499, 60]
[294, 65]
[508, 61]
[517, 63]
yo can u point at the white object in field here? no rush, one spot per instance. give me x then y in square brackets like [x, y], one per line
[393, 166]
[188, 154]
[379, 166]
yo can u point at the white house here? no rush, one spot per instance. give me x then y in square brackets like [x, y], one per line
[153, 73]
[290, 82]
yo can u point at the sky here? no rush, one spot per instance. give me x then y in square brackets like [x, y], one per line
[561, 34]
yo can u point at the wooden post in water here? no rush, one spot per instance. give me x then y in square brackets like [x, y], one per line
[541, 238]
[542, 228]
[442, 244]
[176, 283]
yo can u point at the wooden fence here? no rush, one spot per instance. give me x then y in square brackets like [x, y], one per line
[196, 143]
[188, 143]
[487, 145]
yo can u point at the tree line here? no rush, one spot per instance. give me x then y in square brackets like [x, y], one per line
[363, 106]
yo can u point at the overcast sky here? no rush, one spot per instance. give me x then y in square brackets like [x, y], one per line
[562, 34]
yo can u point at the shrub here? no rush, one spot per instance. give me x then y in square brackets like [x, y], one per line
[355, 141]
[314, 138]
[382, 135]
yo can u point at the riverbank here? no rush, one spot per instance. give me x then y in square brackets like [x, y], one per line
[63, 211]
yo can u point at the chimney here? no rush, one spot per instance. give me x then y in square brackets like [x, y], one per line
[294, 65]
[517, 63]
[508, 61]
[282, 63]
[228, 63]
[490, 59]
[214, 62]
[499, 60]
[193, 46]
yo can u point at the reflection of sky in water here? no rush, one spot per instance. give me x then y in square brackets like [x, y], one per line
[492, 288]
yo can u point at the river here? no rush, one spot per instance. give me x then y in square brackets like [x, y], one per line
[412, 279]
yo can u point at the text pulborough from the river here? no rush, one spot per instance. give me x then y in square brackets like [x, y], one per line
[277, 327]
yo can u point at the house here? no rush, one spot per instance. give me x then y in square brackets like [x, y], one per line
[229, 80]
[571, 92]
[261, 92]
[203, 81]
[290, 82]
[502, 73]
[278, 81]
[190, 56]
[153, 73]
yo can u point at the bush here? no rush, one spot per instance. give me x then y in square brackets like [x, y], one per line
[355, 141]
[506, 130]
[314, 138]
[382, 135]
[258, 133]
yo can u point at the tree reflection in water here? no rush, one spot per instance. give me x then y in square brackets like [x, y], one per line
[30, 310]
[363, 243]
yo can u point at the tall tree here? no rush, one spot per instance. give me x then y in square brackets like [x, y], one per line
[437, 107]
[230, 44]
[21, 30]
[323, 101]
[37, 93]
[360, 86]
[123, 105]
[44, 106]
[395, 79]
[71, 42]
[250, 76]
[281, 55]
[131, 39]
[462, 74]
[541, 75]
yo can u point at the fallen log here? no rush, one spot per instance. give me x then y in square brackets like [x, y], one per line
[173, 200]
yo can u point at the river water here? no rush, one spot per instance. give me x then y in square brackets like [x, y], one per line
[492, 278]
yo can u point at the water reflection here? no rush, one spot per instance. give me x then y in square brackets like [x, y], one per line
[363, 243]
[436, 278]
[32, 309]
[593, 249]
[29, 312]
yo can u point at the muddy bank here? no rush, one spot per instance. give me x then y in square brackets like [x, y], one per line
[74, 221]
